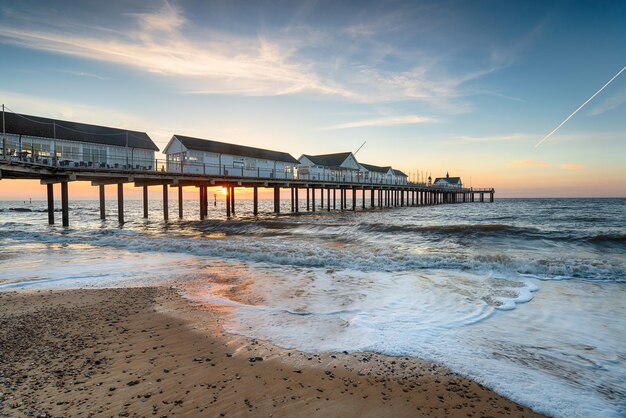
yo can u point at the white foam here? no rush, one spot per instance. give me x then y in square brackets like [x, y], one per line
[447, 317]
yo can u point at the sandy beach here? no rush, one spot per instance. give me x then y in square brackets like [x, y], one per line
[149, 352]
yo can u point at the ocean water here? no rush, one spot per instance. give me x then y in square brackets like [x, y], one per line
[527, 296]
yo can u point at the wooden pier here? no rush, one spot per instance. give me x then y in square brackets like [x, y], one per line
[379, 195]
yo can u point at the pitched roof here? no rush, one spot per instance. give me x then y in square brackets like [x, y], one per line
[376, 168]
[449, 180]
[399, 173]
[328, 160]
[209, 145]
[19, 124]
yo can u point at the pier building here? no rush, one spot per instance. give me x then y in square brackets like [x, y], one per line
[185, 154]
[341, 166]
[377, 174]
[447, 181]
[72, 144]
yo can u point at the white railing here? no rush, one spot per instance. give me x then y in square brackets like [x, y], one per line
[77, 162]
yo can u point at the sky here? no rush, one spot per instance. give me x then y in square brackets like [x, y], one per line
[467, 88]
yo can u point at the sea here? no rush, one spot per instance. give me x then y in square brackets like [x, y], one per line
[526, 296]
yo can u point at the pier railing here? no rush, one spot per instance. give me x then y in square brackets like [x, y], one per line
[134, 164]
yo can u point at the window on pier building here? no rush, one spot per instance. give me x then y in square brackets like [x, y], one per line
[36, 148]
[250, 163]
[12, 146]
[95, 154]
[68, 151]
[194, 157]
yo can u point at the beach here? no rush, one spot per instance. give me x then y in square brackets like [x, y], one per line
[149, 352]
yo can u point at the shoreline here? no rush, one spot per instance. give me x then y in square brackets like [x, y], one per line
[149, 351]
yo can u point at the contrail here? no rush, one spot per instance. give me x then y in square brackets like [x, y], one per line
[581, 106]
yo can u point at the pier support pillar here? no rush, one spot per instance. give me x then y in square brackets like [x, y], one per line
[334, 199]
[276, 199]
[145, 201]
[228, 191]
[166, 211]
[372, 197]
[363, 199]
[255, 201]
[293, 207]
[202, 200]
[180, 202]
[232, 200]
[491, 197]
[321, 198]
[65, 210]
[297, 201]
[313, 198]
[308, 200]
[103, 214]
[353, 199]
[120, 203]
[50, 191]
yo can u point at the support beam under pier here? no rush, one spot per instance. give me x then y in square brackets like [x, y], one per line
[180, 202]
[166, 214]
[232, 200]
[50, 190]
[120, 203]
[145, 202]
[255, 201]
[65, 210]
[276, 199]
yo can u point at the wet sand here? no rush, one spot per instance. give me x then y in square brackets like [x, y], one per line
[149, 352]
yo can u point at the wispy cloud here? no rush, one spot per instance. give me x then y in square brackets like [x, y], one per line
[157, 44]
[523, 137]
[384, 121]
[351, 62]
[609, 103]
[528, 163]
[84, 74]
[573, 166]
[517, 137]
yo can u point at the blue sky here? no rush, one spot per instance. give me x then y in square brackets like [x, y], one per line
[464, 87]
